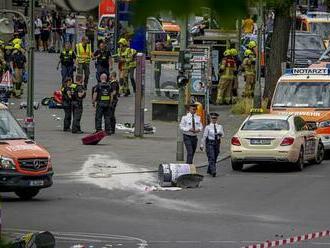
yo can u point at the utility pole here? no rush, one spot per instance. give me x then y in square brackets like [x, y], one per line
[257, 90]
[181, 102]
[293, 35]
[30, 90]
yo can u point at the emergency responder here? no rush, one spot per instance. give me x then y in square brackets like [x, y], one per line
[249, 64]
[191, 125]
[67, 103]
[252, 45]
[238, 62]
[17, 62]
[227, 73]
[123, 53]
[212, 139]
[16, 40]
[84, 56]
[77, 95]
[2, 49]
[102, 98]
[103, 61]
[115, 89]
[131, 60]
[67, 61]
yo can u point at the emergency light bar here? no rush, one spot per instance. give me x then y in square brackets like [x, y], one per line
[308, 71]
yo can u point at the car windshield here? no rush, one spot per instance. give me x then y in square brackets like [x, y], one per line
[302, 95]
[266, 124]
[321, 28]
[309, 42]
[9, 128]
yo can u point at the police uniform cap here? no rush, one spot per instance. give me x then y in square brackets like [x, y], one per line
[214, 115]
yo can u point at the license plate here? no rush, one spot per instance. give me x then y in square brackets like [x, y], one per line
[260, 141]
[36, 183]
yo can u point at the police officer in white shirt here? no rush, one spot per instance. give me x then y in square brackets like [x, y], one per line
[212, 139]
[191, 125]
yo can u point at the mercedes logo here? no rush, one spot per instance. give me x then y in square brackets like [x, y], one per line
[36, 164]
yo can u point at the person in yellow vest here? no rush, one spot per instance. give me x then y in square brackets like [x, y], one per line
[249, 66]
[84, 56]
[67, 61]
[131, 60]
[227, 72]
[124, 55]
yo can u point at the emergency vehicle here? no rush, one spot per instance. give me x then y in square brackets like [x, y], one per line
[305, 92]
[25, 166]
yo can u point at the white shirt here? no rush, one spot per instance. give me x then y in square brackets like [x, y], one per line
[38, 26]
[209, 132]
[186, 124]
[70, 25]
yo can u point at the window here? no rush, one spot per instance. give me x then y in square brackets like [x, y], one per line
[9, 128]
[266, 124]
[299, 124]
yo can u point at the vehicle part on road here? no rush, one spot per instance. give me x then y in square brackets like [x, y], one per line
[94, 139]
[37, 240]
[291, 240]
[168, 174]
[189, 181]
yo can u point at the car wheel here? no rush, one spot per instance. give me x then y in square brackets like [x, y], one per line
[26, 194]
[320, 154]
[300, 162]
[236, 166]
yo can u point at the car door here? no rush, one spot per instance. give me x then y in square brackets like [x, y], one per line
[306, 137]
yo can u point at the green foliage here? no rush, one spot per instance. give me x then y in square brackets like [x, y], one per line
[244, 105]
[228, 11]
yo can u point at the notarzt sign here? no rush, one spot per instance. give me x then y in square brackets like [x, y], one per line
[310, 71]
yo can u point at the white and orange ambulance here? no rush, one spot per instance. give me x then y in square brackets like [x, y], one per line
[306, 92]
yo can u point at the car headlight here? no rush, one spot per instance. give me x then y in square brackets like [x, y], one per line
[7, 163]
[324, 124]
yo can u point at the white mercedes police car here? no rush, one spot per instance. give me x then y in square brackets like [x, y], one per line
[275, 138]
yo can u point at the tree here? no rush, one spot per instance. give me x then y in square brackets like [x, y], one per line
[279, 44]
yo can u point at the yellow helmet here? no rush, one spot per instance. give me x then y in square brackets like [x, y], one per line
[123, 42]
[233, 52]
[252, 44]
[227, 52]
[17, 46]
[248, 52]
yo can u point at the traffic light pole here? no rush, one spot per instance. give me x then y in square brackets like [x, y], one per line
[30, 88]
[257, 103]
[181, 102]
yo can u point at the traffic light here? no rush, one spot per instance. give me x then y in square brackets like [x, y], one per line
[185, 60]
[182, 81]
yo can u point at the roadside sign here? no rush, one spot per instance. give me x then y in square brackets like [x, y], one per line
[6, 80]
[308, 71]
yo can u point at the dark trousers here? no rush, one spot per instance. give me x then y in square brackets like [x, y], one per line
[83, 69]
[132, 78]
[212, 152]
[77, 110]
[67, 117]
[190, 143]
[113, 119]
[100, 70]
[67, 72]
[103, 111]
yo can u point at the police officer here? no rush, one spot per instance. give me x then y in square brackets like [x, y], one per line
[212, 139]
[191, 125]
[102, 101]
[115, 90]
[103, 61]
[18, 61]
[67, 103]
[67, 60]
[77, 95]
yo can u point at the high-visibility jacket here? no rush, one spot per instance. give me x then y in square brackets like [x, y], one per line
[249, 66]
[67, 57]
[228, 68]
[128, 57]
[17, 41]
[84, 56]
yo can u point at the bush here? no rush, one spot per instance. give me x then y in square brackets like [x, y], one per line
[244, 105]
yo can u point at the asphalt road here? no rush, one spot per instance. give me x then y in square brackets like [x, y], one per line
[96, 201]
